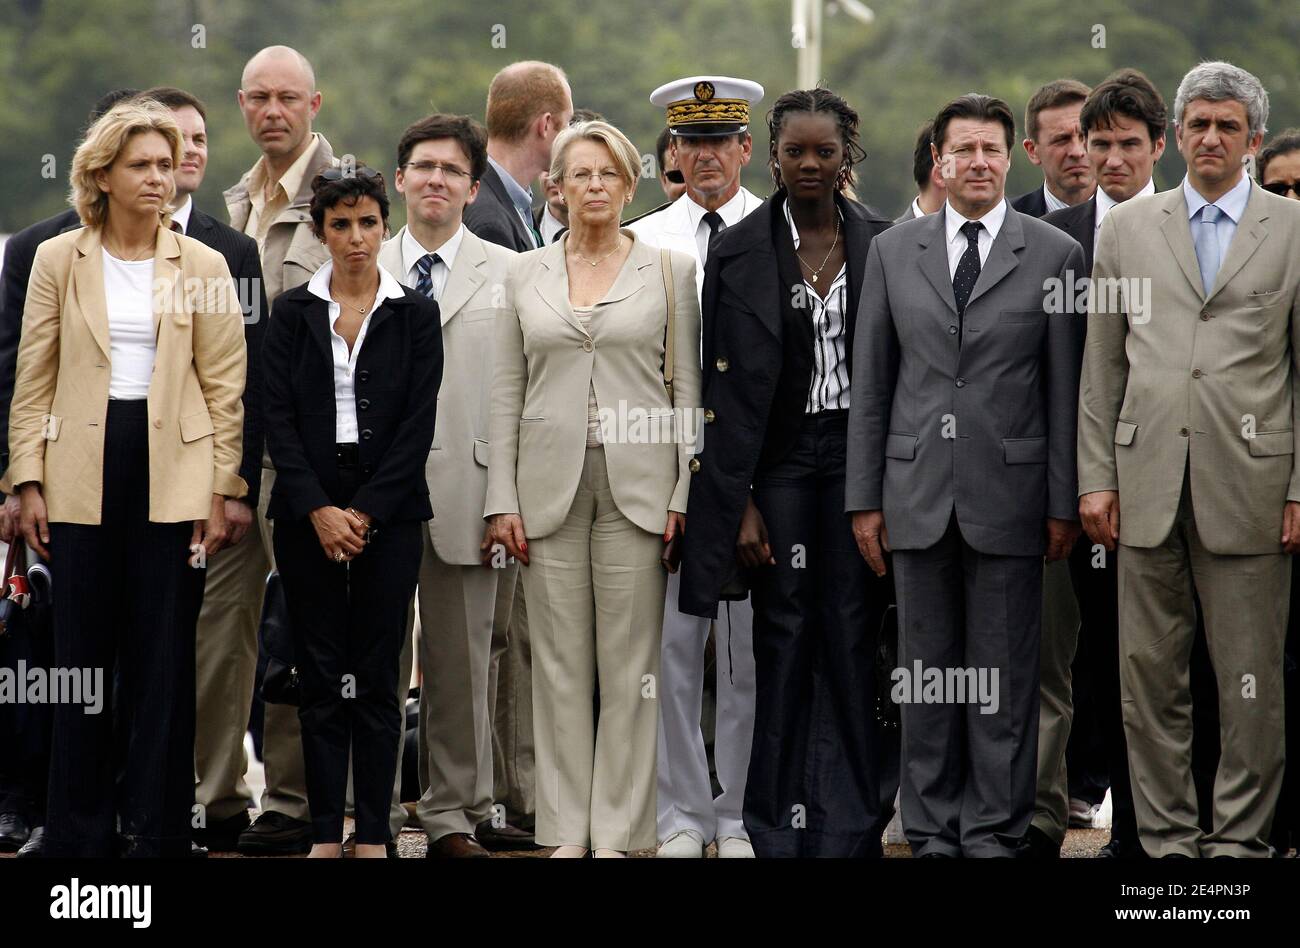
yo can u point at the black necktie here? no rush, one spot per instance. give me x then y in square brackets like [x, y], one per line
[968, 270]
[424, 273]
[714, 220]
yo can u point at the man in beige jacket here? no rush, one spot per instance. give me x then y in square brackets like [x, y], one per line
[270, 203]
[1187, 421]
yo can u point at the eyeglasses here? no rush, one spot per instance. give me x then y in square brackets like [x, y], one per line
[427, 168]
[582, 176]
[1280, 188]
[352, 171]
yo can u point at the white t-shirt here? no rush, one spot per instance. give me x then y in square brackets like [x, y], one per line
[128, 296]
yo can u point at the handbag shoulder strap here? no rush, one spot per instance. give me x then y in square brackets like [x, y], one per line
[666, 268]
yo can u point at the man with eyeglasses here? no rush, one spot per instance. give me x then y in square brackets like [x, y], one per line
[1279, 164]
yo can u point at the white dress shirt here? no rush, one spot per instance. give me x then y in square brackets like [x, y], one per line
[1054, 203]
[992, 222]
[181, 217]
[916, 208]
[830, 375]
[550, 225]
[128, 297]
[413, 250]
[1104, 204]
[731, 213]
[345, 363]
[1232, 204]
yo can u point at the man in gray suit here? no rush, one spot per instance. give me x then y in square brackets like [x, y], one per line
[1187, 417]
[961, 461]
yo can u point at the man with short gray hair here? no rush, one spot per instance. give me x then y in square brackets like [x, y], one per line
[1187, 418]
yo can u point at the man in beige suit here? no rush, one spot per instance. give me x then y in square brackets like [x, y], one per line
[278, 98]
[1187, 422]
[440, 161]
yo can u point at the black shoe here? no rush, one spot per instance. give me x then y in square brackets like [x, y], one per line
[934, 856]
[1118, 849]
[14, 831]
[507, 838]
[274, 834]
[1036, 844]
[34, 848]
[197, 851]
[222, 836]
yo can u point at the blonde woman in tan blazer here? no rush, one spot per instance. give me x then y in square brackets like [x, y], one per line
[125, 439]
[587, 481]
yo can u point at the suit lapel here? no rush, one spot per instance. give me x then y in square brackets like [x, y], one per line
[465, 278]
[934, 257]
[553, 286]
[88, 281]
[1249, 235]
[166, 277]
[498, 187]
[1178, 233]
[754, 276]
[630, 279]
[857, 234]
[1003, 256]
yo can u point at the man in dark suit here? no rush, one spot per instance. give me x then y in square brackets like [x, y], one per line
[930, 189]
[224, 683]
[23, 773]
[1123, 122]
[961, 461]
[528, 105]
[1054, 143]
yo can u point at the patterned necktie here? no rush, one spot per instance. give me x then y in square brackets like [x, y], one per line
[424, 270]
[1207, 246]
[968, 270]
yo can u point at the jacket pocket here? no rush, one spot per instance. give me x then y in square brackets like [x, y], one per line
[901, 447]
[196, 425]
[481, 452]
[1267, 444]
[525, 419]
[1124, 432]
[1025, 450]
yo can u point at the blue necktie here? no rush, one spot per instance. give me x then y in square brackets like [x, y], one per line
[424, 270]
[1207, 246]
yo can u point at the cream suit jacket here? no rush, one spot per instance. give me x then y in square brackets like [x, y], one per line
[545, 364]
[1177, 378]
[56, 427]
[457, 469]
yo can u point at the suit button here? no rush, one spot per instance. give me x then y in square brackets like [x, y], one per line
[723, 364]
[363, 404]
[709, 416]
[367, 434]
[1204, 316]
[1196, 373]
[157, 422]
[1183, 432]
[587, 346]
[694, 466]
[952, 330]
[961, 383]
[363, 375]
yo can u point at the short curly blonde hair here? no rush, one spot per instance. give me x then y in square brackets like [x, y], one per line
[105, 141]
[626, 158]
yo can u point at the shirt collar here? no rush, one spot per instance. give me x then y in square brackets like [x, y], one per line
[290, 182]
[916, 208]
[181, 216]
[319, 285]
[789, 219]
[1104, 202]
[413, 250]
[992, 221]
[731, 212]
[1233, 203]
[520, 195]
[1053, 202]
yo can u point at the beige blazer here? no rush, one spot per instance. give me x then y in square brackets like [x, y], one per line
[457, 470]
[56, 424]
[1206, 381]
[545, 365]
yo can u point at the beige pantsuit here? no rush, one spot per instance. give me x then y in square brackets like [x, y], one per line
[595, 591]
[510, 698]
[1056, 702]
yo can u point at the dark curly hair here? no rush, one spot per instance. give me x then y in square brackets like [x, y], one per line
[816, 100]
[346, 184]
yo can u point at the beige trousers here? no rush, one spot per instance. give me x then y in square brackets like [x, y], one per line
[1246, 603]
[595, 590]
[1056, 704]
[510, 699]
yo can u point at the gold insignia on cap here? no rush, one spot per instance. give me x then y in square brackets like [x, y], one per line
[704, 91]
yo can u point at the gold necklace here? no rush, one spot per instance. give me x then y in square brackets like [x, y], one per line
[818, 272]
[617, 243]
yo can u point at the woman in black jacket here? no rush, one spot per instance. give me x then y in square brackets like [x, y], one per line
[353, 362]
[780, 295]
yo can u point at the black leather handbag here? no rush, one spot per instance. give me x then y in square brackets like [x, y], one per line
[275, 639]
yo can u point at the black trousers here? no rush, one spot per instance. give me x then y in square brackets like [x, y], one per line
[125, 596]
[348, 622]
[822, 776]
[25, 728]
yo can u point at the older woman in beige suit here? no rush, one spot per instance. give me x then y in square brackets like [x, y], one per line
[587, 483]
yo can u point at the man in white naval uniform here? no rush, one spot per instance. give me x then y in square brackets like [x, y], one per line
[709, 156]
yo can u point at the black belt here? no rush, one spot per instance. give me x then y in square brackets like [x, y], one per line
[348, 454]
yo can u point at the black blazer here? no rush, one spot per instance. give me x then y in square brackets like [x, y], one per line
[1032, 203]
[1079, 222]
[245, 267]
[493, 217]
[19, 252]
[757, 402]
[398, 374]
